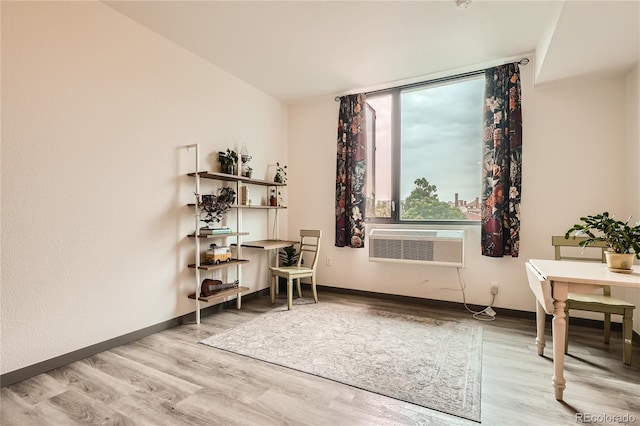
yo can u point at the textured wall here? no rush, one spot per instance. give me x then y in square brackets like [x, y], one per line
[573, 159]
[632, 165]
[96, 111]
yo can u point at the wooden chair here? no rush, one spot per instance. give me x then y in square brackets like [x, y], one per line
[309, 245]
[593, 302]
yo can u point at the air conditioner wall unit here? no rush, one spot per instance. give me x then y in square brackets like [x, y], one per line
[441, 247]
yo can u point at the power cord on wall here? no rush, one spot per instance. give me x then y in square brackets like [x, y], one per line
[487, 314]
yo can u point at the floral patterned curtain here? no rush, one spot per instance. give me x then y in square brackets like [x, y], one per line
[502, 162]
[351, 172]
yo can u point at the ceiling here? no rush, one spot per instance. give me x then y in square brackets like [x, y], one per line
[294, 50]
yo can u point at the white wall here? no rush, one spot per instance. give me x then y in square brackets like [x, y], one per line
[632, 165]
[96, 111]
[574, 149]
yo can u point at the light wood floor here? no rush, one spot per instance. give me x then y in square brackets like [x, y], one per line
[169, 379]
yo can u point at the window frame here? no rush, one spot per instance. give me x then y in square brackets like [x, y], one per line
[396, 146]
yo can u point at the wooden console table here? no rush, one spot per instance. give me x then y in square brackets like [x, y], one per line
[570, 277]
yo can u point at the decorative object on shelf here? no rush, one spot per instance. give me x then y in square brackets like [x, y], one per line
[245, 158]
[211, 287]
[216, 207]
[216, 254]
[245, 197]
[228, 160]
[215, 231]
[274, 198]
[281, 174]
[623, 240]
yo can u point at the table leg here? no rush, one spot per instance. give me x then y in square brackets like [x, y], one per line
[560, 292]
[540, 319]
[276, 264]
[627, 336]
[272, 290]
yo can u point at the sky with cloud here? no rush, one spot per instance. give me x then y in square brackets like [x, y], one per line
[441, 139]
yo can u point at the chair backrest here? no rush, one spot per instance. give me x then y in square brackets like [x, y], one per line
[559, 242]
[310, 244]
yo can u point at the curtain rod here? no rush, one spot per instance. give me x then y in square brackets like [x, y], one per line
[523, 61]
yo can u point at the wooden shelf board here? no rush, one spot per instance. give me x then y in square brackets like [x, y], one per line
[231, 234]
[257, 206]
[235, 178]
[219, 265]
[243, 206]
[221, 295]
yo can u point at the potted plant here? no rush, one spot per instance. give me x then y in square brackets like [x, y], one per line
[228, 160]
[216, 207]
[288, 257]
[273, 199]
[281, 174]
[622, 239]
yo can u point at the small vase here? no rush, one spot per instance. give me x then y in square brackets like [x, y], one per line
[619, 262]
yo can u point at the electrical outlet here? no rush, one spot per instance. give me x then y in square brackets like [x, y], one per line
[494, 287]
[328, 261]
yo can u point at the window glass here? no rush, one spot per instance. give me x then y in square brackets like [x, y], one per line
[379, 148]
[437, 140]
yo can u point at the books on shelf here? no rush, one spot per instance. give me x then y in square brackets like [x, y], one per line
[214, 231]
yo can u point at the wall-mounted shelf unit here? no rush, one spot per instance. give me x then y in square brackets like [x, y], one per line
[198, 266]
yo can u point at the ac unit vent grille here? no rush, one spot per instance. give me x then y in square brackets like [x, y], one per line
[386, 249]
[417, 250]
[434, 247]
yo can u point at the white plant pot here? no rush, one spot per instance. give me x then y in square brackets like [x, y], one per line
[619, 262]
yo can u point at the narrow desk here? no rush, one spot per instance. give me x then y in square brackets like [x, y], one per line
[571, 277]
[270, 245]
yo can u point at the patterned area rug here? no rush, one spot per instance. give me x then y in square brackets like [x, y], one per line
[428, 362]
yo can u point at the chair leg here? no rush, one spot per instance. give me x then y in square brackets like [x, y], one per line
[273, 288]
[289, 293]
[627, 335]
[607, 327]
[313, 288]
[299, 289]
[566, 331]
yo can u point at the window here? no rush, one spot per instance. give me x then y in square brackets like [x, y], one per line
[425, 151]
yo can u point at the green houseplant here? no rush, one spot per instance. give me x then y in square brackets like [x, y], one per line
[228, 160]
[281, 173]
[288, 257]
[216, 207]
[620, 238]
